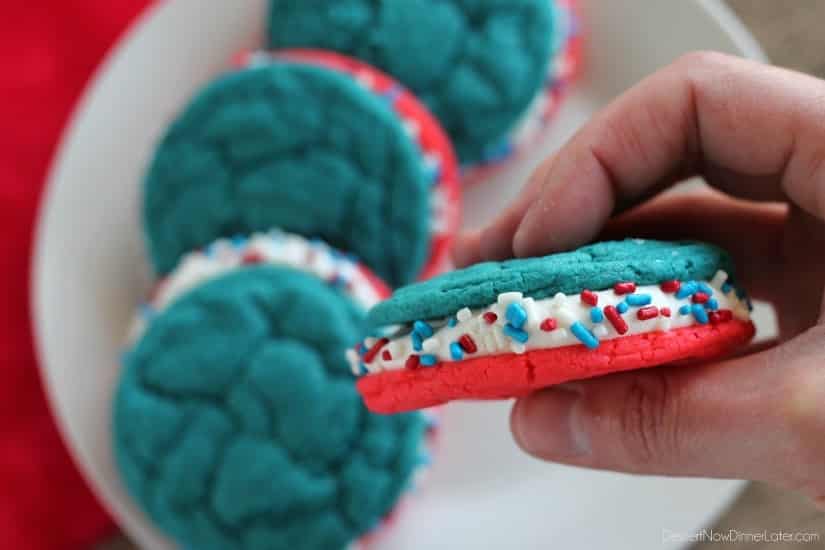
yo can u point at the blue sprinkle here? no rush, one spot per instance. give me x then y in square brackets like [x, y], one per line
[238, 241]
[687, 289]
[416, 341]
[428, 360]
[622, 307]
[750, 304]
[431, 420]
[704, 287]
[362, 368]
[700, 313]
[585, 336]
[392, 92]
[726, 287]
[423, 329]
[515, 333]
[740, 293]
[362, 350]
[684, 310]
[435, 174]
[516, 315]
[499, 151]
[638, 299]
[456, 352]
[146, 311]
[712, 305]
[452, 322]
[596, 315]
[424, 458]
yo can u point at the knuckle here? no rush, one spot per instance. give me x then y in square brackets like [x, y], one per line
[648, 421]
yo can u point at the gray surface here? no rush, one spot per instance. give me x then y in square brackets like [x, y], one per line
[792, 33]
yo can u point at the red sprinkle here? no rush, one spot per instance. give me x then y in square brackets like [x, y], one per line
[467, 343]
[548, 325]
[615, 319]
[386, 355]
[373, 351]
[665, 311]
[720, 316]
[252, 257]
[589, 297]
[490, 317]
[647, 312]
[671, 286]
[624, 288]
[699, 298]
[412, 362]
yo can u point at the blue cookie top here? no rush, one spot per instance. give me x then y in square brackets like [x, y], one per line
[299, 147]
[594, 267]
[237, 423]
[477, 64]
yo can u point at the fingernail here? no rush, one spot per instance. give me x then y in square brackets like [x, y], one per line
[545, 424]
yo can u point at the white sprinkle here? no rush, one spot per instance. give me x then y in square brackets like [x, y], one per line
[430, 345]
[564, 315]
[600, 330]
[432, 161]
[507, 298]
[412, 128]
[353, 360]
[464, 314]
[719, 279]
[517, 347]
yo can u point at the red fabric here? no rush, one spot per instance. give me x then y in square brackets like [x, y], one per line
[48, 50]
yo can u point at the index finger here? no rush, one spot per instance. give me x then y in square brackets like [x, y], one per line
[754, 131]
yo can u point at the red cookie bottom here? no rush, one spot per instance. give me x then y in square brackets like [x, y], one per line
[512, 375]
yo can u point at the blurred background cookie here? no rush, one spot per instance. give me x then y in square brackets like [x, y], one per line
[299, 146]
[478, 65]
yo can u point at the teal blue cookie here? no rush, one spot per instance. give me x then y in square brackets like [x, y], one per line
[594, 267]
[294, 146]
[237, 423]
[477, 64]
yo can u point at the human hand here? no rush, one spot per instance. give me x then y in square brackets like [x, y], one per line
[757, 134]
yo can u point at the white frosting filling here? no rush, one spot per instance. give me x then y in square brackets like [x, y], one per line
[275, 248]
[559, 314]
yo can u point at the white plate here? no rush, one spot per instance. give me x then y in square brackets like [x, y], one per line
[90, 271]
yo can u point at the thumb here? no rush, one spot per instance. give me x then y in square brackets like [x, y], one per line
[760, 416]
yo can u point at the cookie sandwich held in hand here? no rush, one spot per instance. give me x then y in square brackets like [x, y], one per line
[503, 329]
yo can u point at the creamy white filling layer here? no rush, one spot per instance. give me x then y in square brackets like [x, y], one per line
[517, 324]
[273, 248]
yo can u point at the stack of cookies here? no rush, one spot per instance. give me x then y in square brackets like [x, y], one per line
[288, 197]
